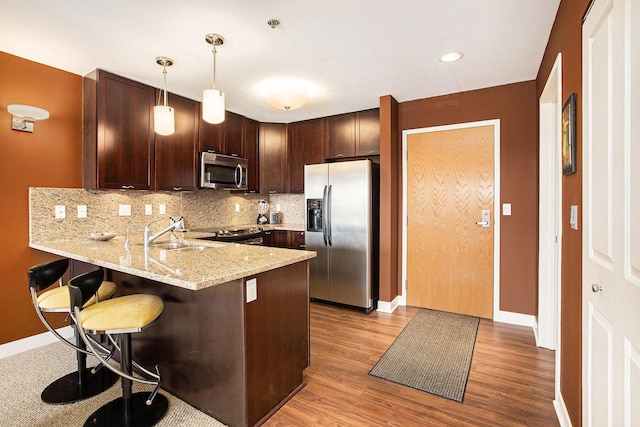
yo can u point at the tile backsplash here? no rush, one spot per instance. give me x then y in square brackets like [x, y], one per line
[201, 209]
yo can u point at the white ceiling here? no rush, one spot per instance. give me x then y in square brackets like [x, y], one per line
[350, 52]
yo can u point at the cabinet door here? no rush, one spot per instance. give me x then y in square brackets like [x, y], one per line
[273, 158]
[306, 146]
[210, 137]
[120, 141]
[368, 140]
[233, 143]
[341, 136]
[297, 240]
[250, 135]
[281, 239]
[176, 155]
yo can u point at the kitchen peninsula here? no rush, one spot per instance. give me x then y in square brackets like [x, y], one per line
[233, 339]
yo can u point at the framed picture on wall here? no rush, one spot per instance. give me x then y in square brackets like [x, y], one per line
[569, 136]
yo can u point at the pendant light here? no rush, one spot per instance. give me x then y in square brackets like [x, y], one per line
[163, 120]
[213, 99]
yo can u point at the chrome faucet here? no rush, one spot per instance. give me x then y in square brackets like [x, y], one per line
[175, 224]
[127, 240]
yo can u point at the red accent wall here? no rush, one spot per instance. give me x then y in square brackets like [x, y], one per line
[516, 107]
[51, 156]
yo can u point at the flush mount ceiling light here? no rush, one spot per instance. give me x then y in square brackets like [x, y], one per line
[25, 115]
[451, 57]
[287, 95]
[213, 99]
[163, 115]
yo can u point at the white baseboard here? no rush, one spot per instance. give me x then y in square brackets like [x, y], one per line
[35, 341]
[388, 307]
[561, 412]
[514, 318]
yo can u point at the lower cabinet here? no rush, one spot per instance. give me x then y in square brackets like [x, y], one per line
[283, 239]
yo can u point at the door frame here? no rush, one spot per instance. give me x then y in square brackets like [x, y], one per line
[546, 328]
[496, 203]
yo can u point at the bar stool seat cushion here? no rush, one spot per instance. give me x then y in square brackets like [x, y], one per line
[57, 299]
[127, 313]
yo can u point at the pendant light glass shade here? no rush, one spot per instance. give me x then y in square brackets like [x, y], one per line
[212, 99]
[163, 115]
[213, 106]
[163, 120]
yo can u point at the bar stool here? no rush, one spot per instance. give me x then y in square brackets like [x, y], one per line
[84, 382]
[123, 316]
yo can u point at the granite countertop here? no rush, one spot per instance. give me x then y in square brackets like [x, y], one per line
[219, 263]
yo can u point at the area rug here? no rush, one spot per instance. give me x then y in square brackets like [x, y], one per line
[433, 353]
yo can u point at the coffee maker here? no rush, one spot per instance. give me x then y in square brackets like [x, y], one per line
[263, 208]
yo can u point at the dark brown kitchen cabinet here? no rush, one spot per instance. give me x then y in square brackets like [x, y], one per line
[233, 142]
[341, 136]
[272, 153]
[368, 139]
[118, 137]
[176, 154]
[250, 135]
[223, 138]
[283, 239]
[297, 240]
[306, 146]
[353, 134]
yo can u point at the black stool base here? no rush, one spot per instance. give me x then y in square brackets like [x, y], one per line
[112, 414]
[67, 389]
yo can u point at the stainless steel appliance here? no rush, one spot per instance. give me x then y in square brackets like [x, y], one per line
[342, 227]
[222, 172]
[245, 236]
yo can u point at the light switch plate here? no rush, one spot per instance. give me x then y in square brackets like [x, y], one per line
[573, 217]
[506, 209]
[60, 212]
[252, 290]
[148, 209]
[162, 209]
[124, 210]
[237, 207]
[82, 211]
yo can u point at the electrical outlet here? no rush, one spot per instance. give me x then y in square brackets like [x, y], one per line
[60, 212]
[237, 207]
[252, 290]
[148, 209]
[278, 207]
[82, 211]
[124, 210]
[506, 209]
[163, 209]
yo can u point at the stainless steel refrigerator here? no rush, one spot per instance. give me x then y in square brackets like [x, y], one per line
[342, 227]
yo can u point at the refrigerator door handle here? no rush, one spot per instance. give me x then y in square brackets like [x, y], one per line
[329, 217]
[324, 216]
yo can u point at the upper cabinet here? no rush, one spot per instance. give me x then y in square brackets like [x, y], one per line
[176, 155]
[353, 134]
[250, 136]
[118, 137]
[306, 147]
[223, 138]
[273, 158]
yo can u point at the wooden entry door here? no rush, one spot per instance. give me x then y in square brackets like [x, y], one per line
[610, 227]
[450, 181]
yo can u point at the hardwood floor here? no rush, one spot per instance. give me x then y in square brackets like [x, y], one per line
[510, 383]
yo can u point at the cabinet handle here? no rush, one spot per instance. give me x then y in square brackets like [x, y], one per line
[272, 192]
[177, 188]
[211, 151]
[372, 152]
[234, 154]
[127, 187]
[339, 155]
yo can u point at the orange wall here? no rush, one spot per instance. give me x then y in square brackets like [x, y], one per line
[566, 37]
[516, 107]
[51, 156]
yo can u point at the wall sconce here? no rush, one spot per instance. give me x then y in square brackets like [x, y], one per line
[24, 116]
[163, 115]
[212, 99]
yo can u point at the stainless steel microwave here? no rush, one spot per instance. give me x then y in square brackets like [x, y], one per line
[222, 172]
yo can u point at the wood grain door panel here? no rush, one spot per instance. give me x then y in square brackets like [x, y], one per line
[450, 257]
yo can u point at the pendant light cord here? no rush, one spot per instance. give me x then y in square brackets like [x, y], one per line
[164, 72]
[214, 65]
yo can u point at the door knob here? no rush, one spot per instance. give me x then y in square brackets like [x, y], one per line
[483, 223]
[596, 288]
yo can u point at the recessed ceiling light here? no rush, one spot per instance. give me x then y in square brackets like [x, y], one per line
[451, 57]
